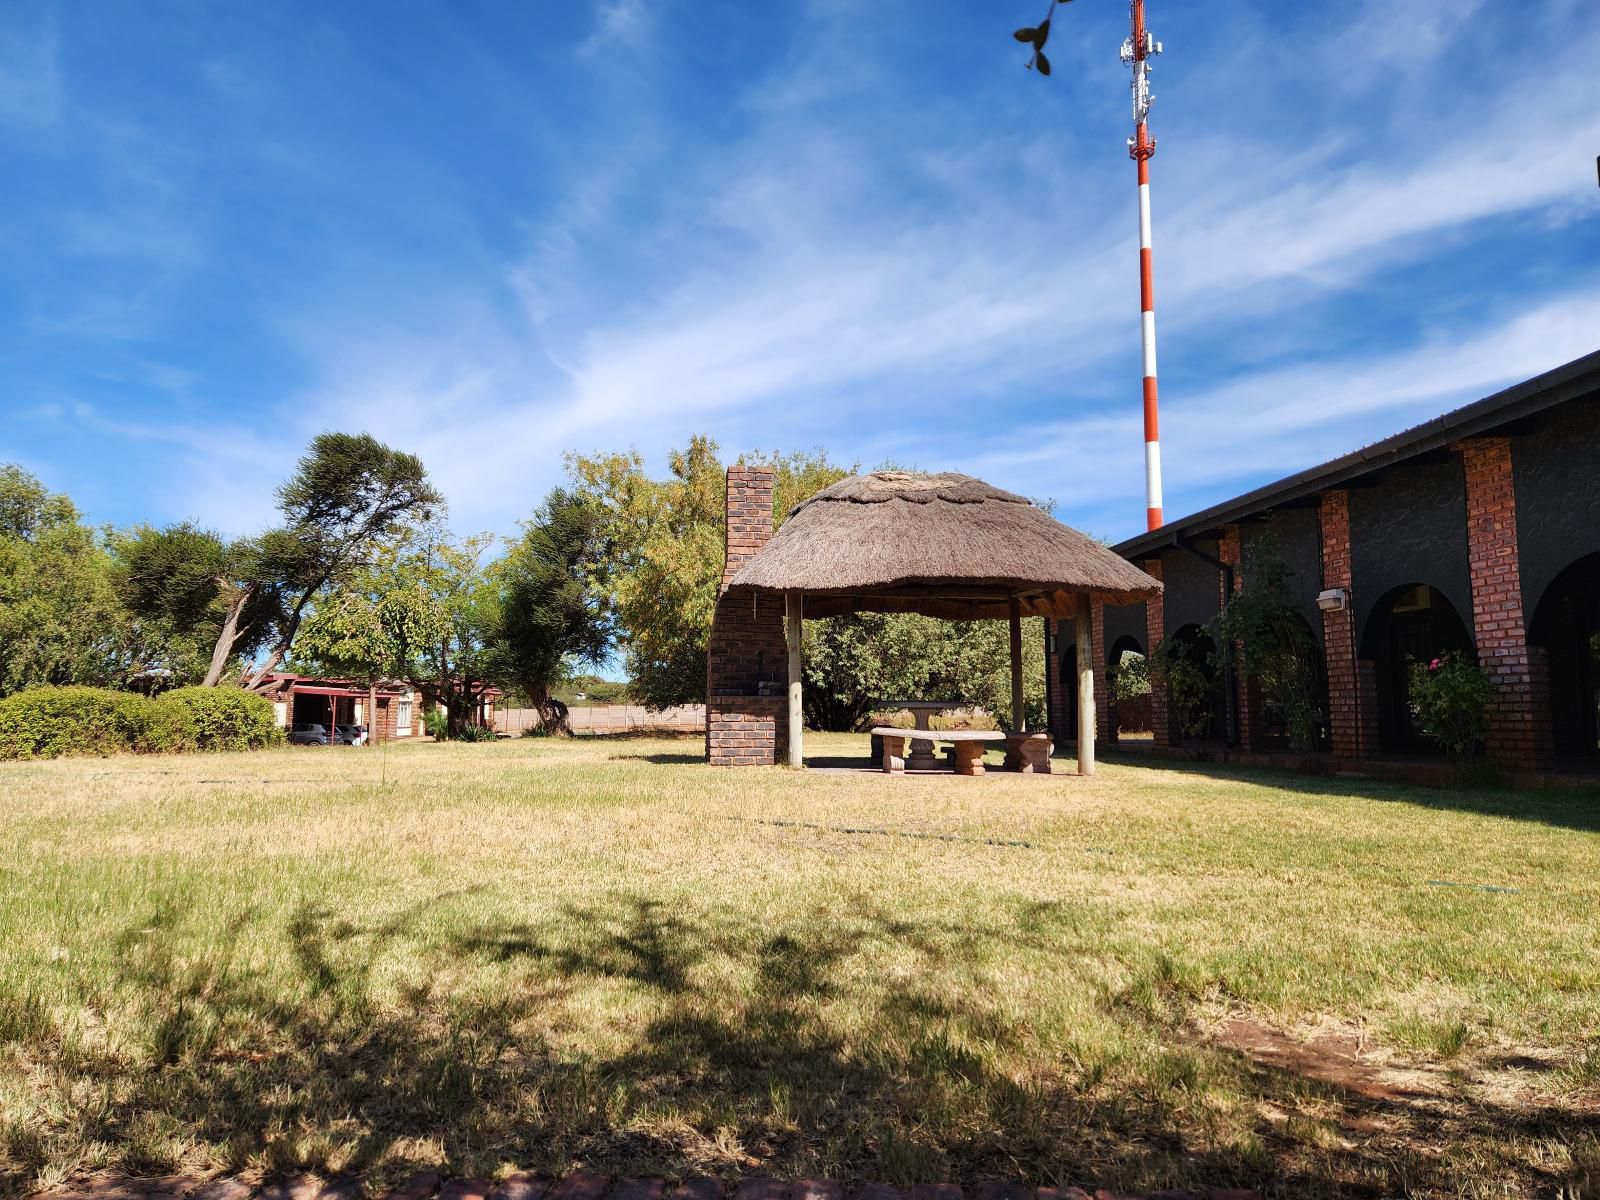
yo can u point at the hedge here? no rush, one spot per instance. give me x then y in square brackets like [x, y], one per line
[217, 719]
[50, 722]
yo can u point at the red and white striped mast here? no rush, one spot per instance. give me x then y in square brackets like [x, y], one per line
[1137, 52]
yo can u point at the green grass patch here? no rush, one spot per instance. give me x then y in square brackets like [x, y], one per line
[545, 952]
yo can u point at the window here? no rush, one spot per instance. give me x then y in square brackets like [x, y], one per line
[403, 717]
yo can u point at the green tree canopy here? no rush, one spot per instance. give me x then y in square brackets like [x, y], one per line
[552, 616]
[61, 620]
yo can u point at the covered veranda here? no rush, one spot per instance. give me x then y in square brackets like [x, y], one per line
[945, 545]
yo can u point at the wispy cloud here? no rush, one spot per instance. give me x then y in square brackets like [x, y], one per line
[822, 229]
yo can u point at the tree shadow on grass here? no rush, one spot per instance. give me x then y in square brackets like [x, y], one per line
[1569, 808]
[731, 1048]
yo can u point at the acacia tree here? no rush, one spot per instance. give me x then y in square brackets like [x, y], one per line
[349, 494]
[552, 617]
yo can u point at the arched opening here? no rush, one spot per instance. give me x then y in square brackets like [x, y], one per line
[1412, 623]
[1566, 624]
[1128, 686]
[1069, 695]
[1290, 699]
[1198, 714]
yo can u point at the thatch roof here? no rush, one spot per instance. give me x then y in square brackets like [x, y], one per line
[945, 545]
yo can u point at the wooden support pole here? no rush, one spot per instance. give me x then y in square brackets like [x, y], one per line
[1019, 719]
[1086, 653]
[794, 612]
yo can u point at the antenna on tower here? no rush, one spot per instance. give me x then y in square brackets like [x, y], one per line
[1137, 51]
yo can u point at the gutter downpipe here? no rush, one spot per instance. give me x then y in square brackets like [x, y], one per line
[1228, 680]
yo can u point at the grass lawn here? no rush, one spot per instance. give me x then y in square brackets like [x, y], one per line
[602, 952]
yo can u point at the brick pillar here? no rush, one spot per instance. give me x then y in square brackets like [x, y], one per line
[1105, 713]
[1055, 693]
[747, 646]
[1352, 710]
[1519, 733]
[1247, 703]
[1155, 626]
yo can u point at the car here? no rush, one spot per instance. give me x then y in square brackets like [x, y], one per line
[352, 735]
[308, 733]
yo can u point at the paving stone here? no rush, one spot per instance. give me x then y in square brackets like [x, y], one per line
[818, 1189]
[699, 1187]
[343, 1187]
[580, 1185]
[466, 1189]
[227, 1187]
[520, 1186]
[419, 1187]
[637, 1189]
[295, 1187]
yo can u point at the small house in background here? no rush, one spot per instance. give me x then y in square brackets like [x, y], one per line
[311, 699]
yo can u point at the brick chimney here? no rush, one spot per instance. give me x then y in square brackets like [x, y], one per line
[745, 727]
[749, 517]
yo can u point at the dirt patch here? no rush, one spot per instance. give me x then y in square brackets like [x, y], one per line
[1331, 1057]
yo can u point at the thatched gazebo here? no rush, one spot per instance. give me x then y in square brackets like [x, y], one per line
[944, 545]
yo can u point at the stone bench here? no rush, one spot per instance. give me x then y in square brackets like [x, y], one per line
[1025, 752]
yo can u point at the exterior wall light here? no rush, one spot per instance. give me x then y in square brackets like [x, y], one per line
[1334, 600]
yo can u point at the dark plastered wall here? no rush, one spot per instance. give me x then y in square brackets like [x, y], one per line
[1411, 528]
[1193, 589]
[1125, 621]
[1556, 474]
[1295, 536]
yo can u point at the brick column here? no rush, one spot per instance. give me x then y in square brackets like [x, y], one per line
[1352, 712]
[1230, 553]
[1155, 626]
[747, 646]
[1519, 733]
[1054, 693]
[1105, 714]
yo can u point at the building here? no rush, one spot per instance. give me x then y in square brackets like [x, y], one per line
[1478, 531]
[309, 699]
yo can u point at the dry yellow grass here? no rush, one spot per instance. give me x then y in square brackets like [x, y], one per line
[543, 953]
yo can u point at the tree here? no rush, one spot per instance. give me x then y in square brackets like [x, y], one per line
[26, 508]
[61, 621]
[424, 611]
[349, 494]
[854, 663]
[551, 615]
[184, 585]
[664, 550]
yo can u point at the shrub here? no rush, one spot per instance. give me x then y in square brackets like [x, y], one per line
[48, 722]
[1450, 701]
[215, 718]
[476, 733]
[436, 723]
[1188, 671]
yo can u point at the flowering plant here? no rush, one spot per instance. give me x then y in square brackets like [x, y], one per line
[1450, 703]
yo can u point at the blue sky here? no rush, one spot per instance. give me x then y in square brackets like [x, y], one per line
[494, 232]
